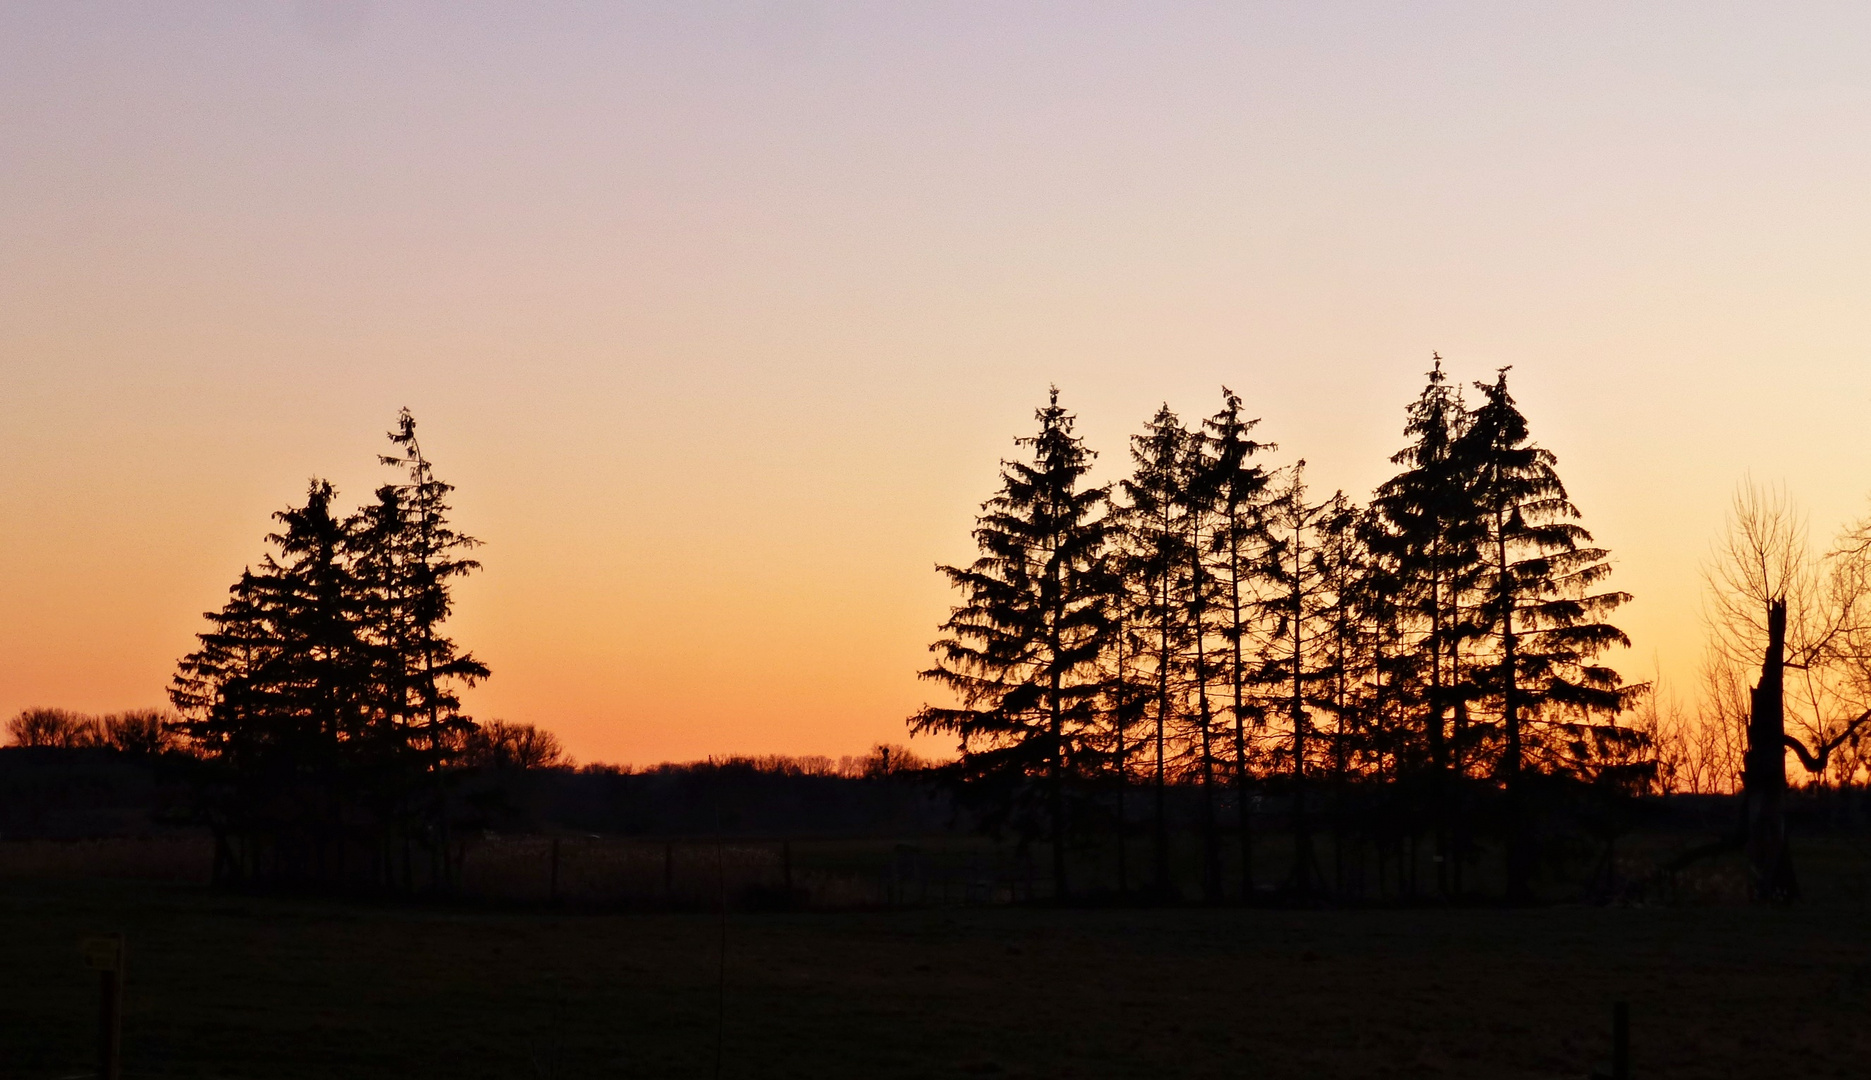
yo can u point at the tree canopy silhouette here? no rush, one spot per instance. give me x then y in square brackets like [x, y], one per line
[1022, 650]
[323, 697]
[1426, 654]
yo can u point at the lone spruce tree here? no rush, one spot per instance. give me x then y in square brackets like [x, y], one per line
[1022, 650]
[1537, 604]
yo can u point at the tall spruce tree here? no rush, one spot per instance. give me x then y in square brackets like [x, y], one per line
[1127, 697]
[425, 554]
[1238, 485]
[1022, 650]
[1348, 648]
[377, 558]
[1296, 657]
[1392, 665]
[277, 691]
[413, 555]
[1204, 526]
[1157, 535]
[1430, 532]
[219, 690]
[1536, 603]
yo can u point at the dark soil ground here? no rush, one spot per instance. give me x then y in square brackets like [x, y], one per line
[230, 986]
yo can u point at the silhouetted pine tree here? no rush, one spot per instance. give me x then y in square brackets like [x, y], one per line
[379, 536]
[218, 689]
[413, 555]
[277, 692]
[1237, 546]
[1126, 699]
[1158, 560]
[324, 694]
[427, 554]
[1430, 532]
[1295, 658]
[1204, 527]
[1535, 602]
[1022, 651]
[1393, 668]
[1348, 644]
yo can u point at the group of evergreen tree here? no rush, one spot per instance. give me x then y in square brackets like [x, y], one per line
[1420, 672]
[323, 699]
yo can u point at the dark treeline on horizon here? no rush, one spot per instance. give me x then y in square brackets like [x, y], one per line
[1421, 668]
[319, 734]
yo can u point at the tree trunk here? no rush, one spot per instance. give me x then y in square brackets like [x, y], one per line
[1302, 828]
[1123, 781]
[1056, 781]
[1519, 843]
[1438, 749]
[1243, 810]
[1519, 854]
[1764, 778]
[1161, 778]
[1211, 842]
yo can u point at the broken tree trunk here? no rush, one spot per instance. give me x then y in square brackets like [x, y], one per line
[1764, 776]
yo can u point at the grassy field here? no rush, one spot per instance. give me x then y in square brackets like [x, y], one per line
[223, 986]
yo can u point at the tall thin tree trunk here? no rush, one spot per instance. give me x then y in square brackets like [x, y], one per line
[1302, 828]
[1211, 842]
[1119, 718]
[1056, 780]
[1438, 747]
[1519, 856]
[1243, 809]
[1339, 762]
[1161, 778]
[1123, 781]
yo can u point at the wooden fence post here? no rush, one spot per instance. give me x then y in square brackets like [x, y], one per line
[1620, 1044]
[1621, 1041]
[105, 955]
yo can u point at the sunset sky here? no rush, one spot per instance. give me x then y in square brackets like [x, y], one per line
[720, 316]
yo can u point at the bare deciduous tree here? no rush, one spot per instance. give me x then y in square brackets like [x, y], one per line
[1803, 618]
[1766, 556]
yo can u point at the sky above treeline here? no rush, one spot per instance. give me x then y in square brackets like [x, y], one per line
[721, 316]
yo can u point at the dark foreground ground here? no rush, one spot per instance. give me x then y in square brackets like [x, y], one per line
[224, 986]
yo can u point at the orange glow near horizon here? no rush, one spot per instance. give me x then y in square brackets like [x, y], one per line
[719, 318]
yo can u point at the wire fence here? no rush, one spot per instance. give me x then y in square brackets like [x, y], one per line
[589, 871]
[763, 873]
